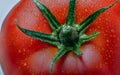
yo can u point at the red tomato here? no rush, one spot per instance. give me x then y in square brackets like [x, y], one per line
[24, 55]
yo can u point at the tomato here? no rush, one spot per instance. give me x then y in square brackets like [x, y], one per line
[23, 54]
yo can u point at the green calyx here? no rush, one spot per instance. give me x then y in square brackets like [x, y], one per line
[67, 37]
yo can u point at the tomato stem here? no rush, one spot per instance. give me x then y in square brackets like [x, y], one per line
[69, 36]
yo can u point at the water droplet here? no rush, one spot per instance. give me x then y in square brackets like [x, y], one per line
[24, 64]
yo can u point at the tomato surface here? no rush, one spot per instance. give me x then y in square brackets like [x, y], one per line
[23, 55]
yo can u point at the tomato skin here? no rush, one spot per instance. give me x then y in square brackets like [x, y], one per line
[23, 55]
